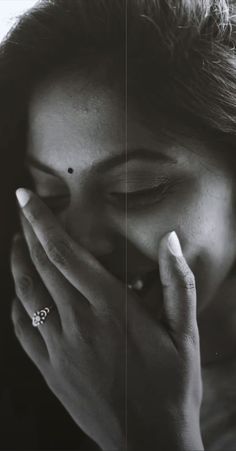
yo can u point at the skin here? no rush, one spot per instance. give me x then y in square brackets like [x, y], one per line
[91, 374]
[198, 201]
[194, 198]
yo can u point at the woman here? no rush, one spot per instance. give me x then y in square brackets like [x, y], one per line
[125, 118]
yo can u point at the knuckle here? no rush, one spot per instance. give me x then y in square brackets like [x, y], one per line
[35, 212]
[189, 281]
[14, 309]
[24, 286]
[190, 340]
[61, 362]
[37, 254]
[19, 327]
[186, 278]
[17, 319]
[80, 335]
[58, 251]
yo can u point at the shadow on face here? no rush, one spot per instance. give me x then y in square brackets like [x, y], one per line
[118, 184]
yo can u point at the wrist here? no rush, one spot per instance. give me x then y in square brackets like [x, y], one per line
[178, 433]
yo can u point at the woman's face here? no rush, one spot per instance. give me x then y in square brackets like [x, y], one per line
[174, 183]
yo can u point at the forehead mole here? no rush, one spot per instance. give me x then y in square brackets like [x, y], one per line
[70, 170]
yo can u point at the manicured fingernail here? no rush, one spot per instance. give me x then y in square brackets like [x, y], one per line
[23, 196]
[174, 245]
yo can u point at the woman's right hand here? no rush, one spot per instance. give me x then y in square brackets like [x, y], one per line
[125, 377]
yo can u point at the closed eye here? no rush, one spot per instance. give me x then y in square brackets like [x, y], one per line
[141, 197]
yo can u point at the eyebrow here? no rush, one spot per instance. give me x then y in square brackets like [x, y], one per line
[111, 162]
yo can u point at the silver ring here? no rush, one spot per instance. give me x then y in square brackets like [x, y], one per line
[39, 317]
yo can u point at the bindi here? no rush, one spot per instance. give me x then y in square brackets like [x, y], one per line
[70, 170]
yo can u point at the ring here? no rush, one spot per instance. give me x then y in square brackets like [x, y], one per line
[39, 317]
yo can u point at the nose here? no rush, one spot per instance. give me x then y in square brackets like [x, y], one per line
[90, 228]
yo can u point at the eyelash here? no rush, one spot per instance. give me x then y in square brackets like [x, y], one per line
[141, 198]
[135, 199]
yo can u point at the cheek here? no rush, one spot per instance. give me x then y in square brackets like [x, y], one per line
[208, 232]
[146, 227]
[205, 227]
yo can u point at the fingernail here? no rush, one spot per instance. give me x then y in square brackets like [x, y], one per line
[23, 196]
[174, 245]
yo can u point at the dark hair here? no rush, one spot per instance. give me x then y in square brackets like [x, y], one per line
[186, 47]
[181, 50]
[178, 56]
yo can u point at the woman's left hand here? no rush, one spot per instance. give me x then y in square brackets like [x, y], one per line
[107, 360]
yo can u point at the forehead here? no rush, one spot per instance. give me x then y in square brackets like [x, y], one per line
[71, 113]
[76, 119]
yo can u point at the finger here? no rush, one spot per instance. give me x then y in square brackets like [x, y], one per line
[65, 296]
[178, 282]
[30, 290]
[77, 265]
[29, 338]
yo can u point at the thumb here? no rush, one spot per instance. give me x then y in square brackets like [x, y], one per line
[179, 290]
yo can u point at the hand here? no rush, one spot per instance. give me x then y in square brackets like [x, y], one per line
[126, 378]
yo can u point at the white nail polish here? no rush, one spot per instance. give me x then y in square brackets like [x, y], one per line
[174, 245]
[23, 196]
